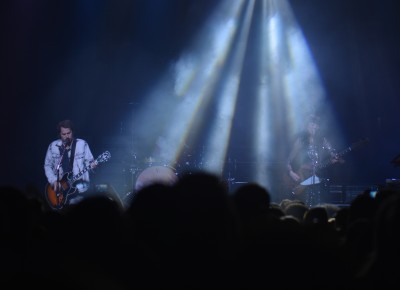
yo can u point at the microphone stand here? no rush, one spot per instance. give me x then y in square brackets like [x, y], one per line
[58, 169]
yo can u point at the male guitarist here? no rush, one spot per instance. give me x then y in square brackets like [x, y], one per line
[66, 157]
[309, 150]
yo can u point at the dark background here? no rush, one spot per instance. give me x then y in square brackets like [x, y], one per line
[117, 49]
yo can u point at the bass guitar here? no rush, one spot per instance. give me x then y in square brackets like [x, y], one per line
[58, 199]
[309, 175]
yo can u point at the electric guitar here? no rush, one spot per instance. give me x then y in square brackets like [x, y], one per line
[58, 199]
[309, 175]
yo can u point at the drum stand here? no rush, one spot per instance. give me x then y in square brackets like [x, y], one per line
[313, 195]
[131, 173]
[313, 192]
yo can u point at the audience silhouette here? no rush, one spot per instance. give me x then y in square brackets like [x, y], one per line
[195, 234]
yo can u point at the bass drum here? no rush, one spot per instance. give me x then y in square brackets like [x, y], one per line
[156, 174]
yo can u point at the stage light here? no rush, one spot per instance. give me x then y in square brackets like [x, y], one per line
[247, 80]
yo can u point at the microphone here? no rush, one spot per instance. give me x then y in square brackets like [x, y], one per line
[66, 143]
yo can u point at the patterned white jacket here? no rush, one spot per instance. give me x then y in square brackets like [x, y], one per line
[83, 157]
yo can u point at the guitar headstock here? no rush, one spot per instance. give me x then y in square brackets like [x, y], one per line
[104, 157]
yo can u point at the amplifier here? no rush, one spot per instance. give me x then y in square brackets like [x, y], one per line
[345, 194]
[334, 194]
[393, 182]
[352, 191]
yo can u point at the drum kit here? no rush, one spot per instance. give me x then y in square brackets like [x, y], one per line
[156, 174]
[149, 170]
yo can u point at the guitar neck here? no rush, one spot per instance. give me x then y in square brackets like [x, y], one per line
[102, 158]
[340, 154]
[345, 151]
[79, 175]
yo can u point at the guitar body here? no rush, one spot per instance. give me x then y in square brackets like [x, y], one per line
[57, 200]
[307, 178]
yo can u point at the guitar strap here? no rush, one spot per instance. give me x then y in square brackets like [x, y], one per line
[71, 160]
